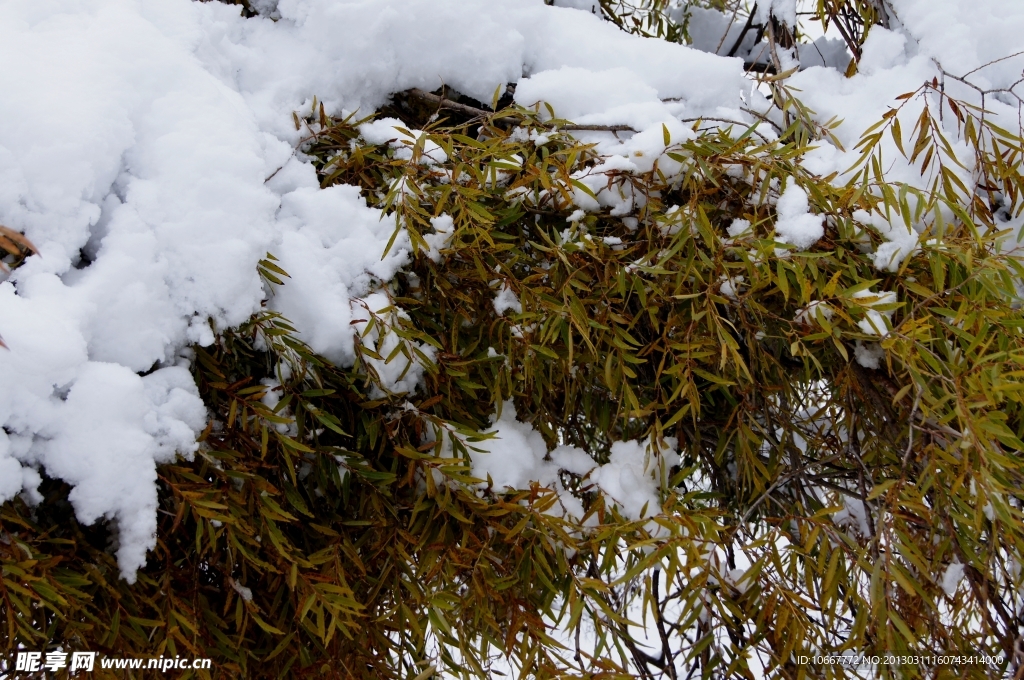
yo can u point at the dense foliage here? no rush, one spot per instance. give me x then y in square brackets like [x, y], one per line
[327, 528]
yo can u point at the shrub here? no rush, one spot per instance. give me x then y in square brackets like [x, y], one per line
[848, 429]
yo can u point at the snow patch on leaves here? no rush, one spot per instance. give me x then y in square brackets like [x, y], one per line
[517, 456]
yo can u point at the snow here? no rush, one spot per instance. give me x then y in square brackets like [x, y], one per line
[964, 35]
[739, 227]
[868, 355]
[814, 312]
[137, 138]
[901, 243]
[853, 515]
[592, 6]
[507, 301]
[882, 50]
[113, 428]
[444, 231]
[875, 322]
[397, 364]
[641, 153]
[717, 32]
[632, 477]
[783, 10]
[587, 97]
[393, 132]
[243, 592]
[795, 223]
[517, 455]
[952, 578]
[331, 268]
[730, 285]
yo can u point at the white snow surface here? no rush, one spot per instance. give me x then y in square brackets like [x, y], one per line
[137, 138]
[517, 455]
[730, 286]
[952, 578]
[795, 223]
[507, 301]
[783, 10]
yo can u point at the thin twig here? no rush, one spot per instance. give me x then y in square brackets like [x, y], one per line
[659, 620]
[792, 474]
[445, 103]
[743, 33]
[994, 61]
[599, 128]
[910, 431]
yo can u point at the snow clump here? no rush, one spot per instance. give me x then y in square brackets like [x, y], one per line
[517, 455]
[796, 224]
